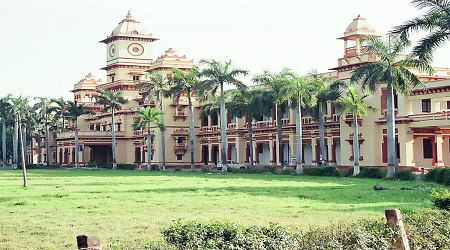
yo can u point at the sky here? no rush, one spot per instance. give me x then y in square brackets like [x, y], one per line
[49, 45]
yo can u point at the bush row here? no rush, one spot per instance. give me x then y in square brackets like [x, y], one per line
[36, 166]
[365, 172]
[439, 175]
[427, 229]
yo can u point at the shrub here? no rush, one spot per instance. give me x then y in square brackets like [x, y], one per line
[321, 171]
[206, 170]
[155, 167]
[405, 175]
[254, 170]
[439, 175]
[374, 173]
[178, 169]
[428, 229]
[441, 198]
[71, 165]
[236, 170]
[90, 165]
[286, 171]
[124, 166]
[270, 169]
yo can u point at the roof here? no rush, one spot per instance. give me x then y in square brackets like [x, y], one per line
[359, 26]
[129, 27]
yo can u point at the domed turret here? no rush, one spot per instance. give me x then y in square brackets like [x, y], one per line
[359, 26]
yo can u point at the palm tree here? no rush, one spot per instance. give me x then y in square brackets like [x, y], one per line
[59, 109]
[55, 125]
[250, 104]
[75, 110]
[36, 132]
[43, 106]
[20, 107]
[148, 116]
[325, 91]
[111, 101]
[155, 89]
[391, 69]
[186, 83]
[301, 93]
[355, 104]
[435, 21]
[277, 83]
[5, 111]
[216, 75]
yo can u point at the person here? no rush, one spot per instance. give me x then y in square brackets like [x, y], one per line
[285, 164]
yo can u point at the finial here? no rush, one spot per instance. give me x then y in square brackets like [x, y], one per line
[358, 15]
[129, 16]
[170, 51]
[90, 76]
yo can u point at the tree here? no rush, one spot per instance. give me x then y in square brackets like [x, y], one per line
[111, 101]
[301, 94]
[55, 124]
[20, 107]
[155, 89]
[148, 116]
[75, 110]
[325, 91]
[60, 111]
[250, 104]
[435, 21]
[355, 104]
[36, 132]
[43, 106]
[277, 84]
[5, 111]
[392, 69]
[186, 83]
[216, 75]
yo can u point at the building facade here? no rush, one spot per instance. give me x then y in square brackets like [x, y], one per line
[422, 118]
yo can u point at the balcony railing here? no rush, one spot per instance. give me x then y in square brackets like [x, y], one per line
[117, 83]
[90, 134]
[214, 128]
[180, 146]
[431, 117]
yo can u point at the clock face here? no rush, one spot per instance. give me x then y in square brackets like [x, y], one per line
[112, 50]
[135, 49]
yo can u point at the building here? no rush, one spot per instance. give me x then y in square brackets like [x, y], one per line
[422, 119]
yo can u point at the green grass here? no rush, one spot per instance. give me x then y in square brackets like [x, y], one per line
[119, 205]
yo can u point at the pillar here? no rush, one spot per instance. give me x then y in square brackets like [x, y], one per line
[313, 150]
[211, 154]
[406, 142]
[255, 152]
[345, 46]
[439, 150]
[329, 149]
[271, 152]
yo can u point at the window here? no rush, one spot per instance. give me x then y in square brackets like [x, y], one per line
[427, 149]
[233, 119]
[205, 121]
[135, 78]
[215, 120]
[448, 104]
[112, 78]
[179, 157]
[426, 105]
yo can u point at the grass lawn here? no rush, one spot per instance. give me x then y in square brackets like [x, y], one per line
[120, 205]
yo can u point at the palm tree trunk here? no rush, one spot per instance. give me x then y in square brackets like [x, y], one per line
[355, 145]
[163, 137]
[63, 125]
[323, 152]
[39, 142]
[113, 131]
[223, 129]
[149, 149]
[250, 140]
[77, 160]
[15, 141]
[24, 169]
[191, 131]
[47, 156]
[31, 151]
[280, 136]
[390, 124]
[24, 141]
[298, 131]
[4, 141]
[56, 149]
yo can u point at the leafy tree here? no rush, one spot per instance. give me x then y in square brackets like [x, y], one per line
[301, 93]
[111, 101]
[250, 104]
[60, 110]
[5, 112]
[435, 21]
[155, 89]
[277, 84]
[392, 69]
[148, 116]
[43, 106]
[186, 83]
[355, 104]
[325, 91]
[75, 110]
[215, 76]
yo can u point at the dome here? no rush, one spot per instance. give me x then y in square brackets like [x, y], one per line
[360, 26]
[129, 26]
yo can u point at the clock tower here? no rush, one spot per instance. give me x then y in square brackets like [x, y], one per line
[129, 53]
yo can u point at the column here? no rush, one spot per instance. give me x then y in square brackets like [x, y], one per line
[345, 46]
[313, 150]
[255, 153]
[211, 153]
[439, 150]
[406, 142]
[271, 152]
[329, 149]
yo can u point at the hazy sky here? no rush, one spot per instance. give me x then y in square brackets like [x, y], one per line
[49, 45]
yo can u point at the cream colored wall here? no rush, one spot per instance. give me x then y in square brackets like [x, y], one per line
[446, 151]
[124, 57]
[418, 153]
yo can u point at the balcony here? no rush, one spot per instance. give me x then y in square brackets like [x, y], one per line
[180, 148]
[231, 126]
[117, 83]
[90, 134]
[431, 119]
[179, 115]
[211, 129]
